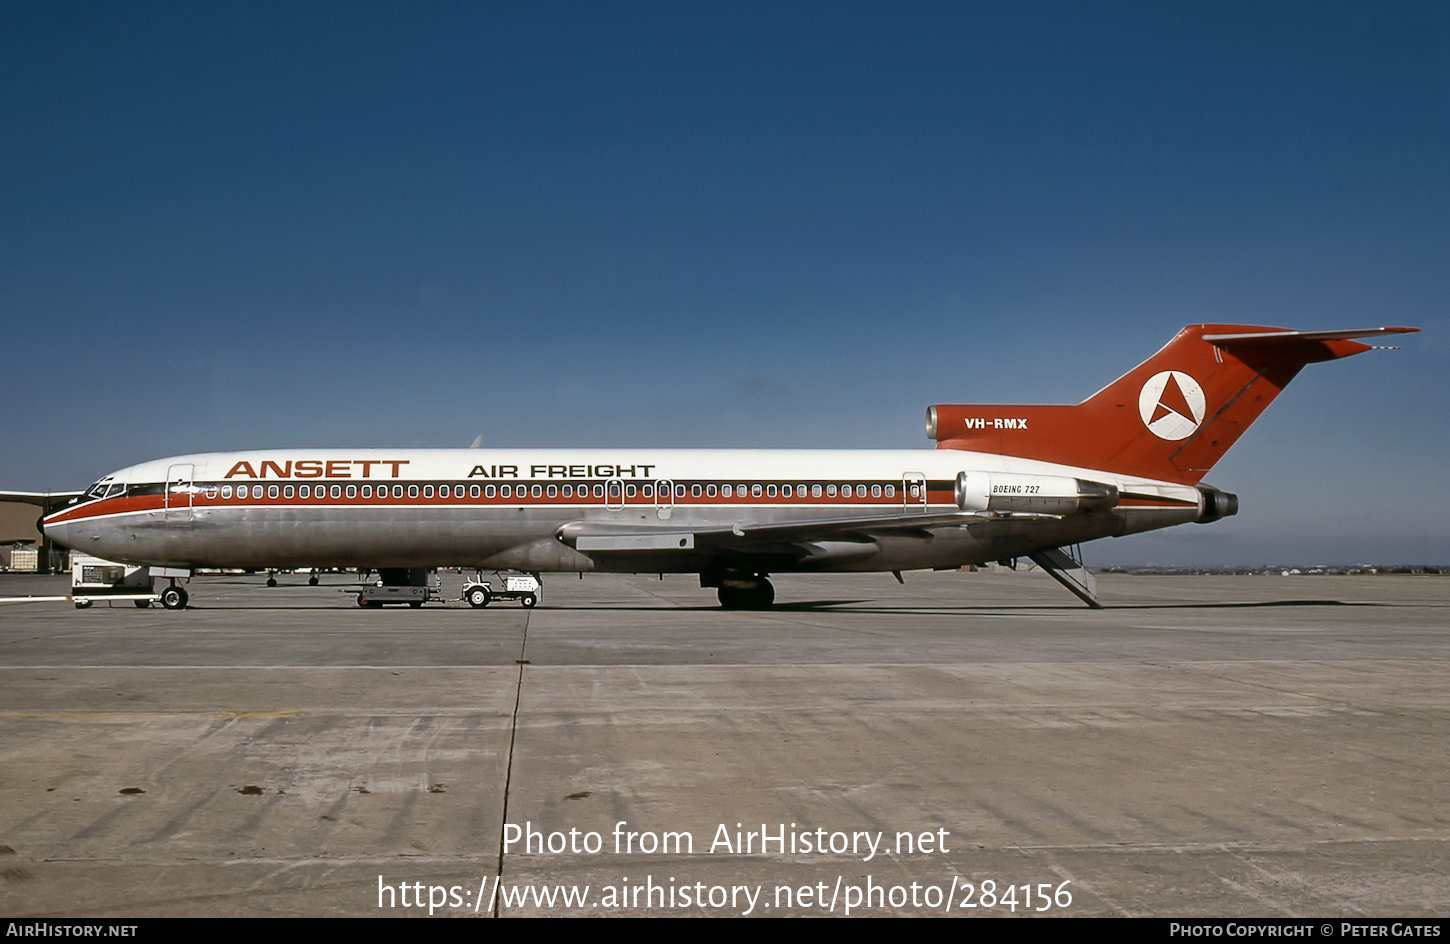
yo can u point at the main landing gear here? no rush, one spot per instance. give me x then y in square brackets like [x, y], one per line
[174, 597]
[744, 592]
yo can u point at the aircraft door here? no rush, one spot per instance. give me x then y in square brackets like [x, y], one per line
[913, 492]
[180, 492]
[664, 498]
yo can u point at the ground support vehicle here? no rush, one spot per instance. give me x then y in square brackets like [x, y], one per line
[524, 588]
[94, 579]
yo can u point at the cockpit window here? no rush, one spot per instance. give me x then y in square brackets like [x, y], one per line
[105, 488]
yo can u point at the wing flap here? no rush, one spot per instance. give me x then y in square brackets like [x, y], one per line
[819, 537]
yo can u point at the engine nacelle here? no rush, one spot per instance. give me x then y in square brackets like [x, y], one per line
[1024, 493]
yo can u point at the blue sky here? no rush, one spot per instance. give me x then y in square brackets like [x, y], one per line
[734, 224]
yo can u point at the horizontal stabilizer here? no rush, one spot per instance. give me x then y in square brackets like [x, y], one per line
[1274, 336]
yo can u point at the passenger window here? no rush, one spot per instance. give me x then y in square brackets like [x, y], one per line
[710, 490]
[876, 491]
[694, 491]
[337, 491]
[815, 491]
[226, 491]
[754, 490]
[288, 492]
[352, 491]
[473, 491]
[727, 491]
[770, 491]
[553, 491]
[830, 491]
[367, 491]
[397, 491]
[537, 491]
[489, 491]
[891, 491]
[412, 491]
[427, 491]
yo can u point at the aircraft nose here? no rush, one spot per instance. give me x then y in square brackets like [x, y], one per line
[57, 532]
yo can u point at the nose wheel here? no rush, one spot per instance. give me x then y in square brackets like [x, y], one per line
[174, 598]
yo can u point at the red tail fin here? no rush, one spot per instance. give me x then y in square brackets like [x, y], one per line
[1169, 418]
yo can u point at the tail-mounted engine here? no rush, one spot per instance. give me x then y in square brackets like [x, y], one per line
[1015, 493]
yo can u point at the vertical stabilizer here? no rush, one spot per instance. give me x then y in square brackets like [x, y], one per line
[1170, 418]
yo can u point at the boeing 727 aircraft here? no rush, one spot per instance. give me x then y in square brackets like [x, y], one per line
[1003, 482]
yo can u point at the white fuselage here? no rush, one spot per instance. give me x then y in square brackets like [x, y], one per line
[620, 510]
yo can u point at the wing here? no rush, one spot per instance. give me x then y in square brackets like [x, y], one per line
[812, 539]
[43, 499]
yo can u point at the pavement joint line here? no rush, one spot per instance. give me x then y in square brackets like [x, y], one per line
[509, 767]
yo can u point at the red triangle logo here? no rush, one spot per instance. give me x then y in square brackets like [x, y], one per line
[1172, 400]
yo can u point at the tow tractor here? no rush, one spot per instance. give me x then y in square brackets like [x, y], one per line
[521, 587]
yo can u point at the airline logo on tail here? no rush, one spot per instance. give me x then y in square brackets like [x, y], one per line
[1171, 404]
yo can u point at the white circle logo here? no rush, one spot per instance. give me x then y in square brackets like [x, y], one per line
[1171, 404]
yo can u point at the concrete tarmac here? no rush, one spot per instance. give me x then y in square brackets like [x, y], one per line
[967, 744]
